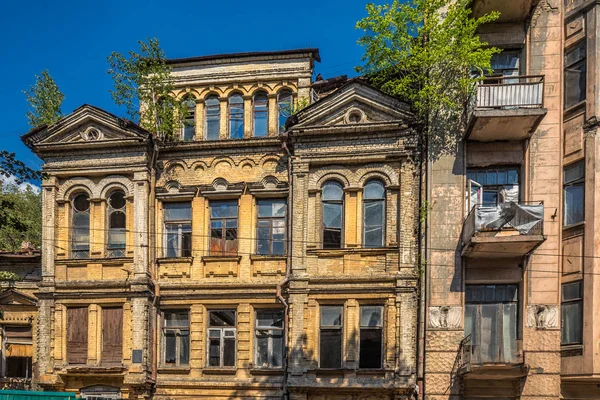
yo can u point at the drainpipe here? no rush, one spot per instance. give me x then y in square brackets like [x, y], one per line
[422, 251]
[287, 267]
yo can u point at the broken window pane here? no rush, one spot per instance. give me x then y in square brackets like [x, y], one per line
[223, 227]
[575, 74]
[269, 338]
[176, 337]
[374, 214]
[222, 338]
[80, 240]
[330, 349]
[371, 337]
[284, 108]
[271, 228]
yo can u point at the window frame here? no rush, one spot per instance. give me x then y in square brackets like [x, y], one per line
[270, 220]
[190, 103]
[381, 333]
[83, 253]
[339, 328]
[270, 337]
[382, 200]
[178, 337]
[222, 330]
[231, 115]
[27, 342]
[570, 65]
[580, 181]
[575, 300]
[115, 252]
[224, 228]
[280, 115]
[256, 112]
[207, 114]
[180, 223]
[343, 212]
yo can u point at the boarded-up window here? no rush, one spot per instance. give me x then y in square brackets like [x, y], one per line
[77, 335]
[18, 352]
[112, 335]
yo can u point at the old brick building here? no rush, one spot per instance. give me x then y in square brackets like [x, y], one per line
[511, 248]
[236, 261]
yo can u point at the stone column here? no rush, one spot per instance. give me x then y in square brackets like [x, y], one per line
[223, 131]
[273, 115]
[199, 116]
[49, 189]
[248, 114]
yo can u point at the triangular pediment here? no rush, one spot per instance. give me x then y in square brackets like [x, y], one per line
[354, 104]
[87, 125]
[13, 297]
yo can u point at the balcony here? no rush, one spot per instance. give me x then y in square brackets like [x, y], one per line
[510, 10]
[507, 108]
[506, 230]
[501, 360]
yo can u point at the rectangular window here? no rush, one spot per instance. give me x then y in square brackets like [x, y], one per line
[224, 227]
[18, 352]
[572, 313]
[269, 339]
[493, 185]
[371, 337]
[176, 338]
[575, 74]
[574, 193]
[330, 346]
[491, 315]
[506, 63]
[221, 338]
[178, 229]
[112, 335]
[77, 335]
[271, 227]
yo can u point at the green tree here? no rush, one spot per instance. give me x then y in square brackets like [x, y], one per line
[427, 53]
[20, 216]
[45, 100]
[143, 84]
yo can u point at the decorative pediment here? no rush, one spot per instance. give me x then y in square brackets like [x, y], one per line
[354, 104]
[13, 297]
[87, 125]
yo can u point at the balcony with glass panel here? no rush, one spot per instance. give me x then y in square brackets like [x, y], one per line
[510, 10]
[498, 223]
[491, 348]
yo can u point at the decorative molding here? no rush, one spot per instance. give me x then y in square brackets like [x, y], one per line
[445, 317]
[542, 316]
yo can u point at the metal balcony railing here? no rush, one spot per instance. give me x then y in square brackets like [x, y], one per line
[525, 217]
[504, 92]
[473, 355]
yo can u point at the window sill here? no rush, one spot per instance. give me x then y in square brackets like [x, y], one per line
[575, 106]
[219, 370]
[175, 260]
[373, 371]
[102, 260]
[267, 257]
[367, 251]
[571, 350]
[573, 226]
[221, 258]
[266, 371]
[173, 370]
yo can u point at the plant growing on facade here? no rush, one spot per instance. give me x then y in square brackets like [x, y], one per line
[45, 101]
[427, 53]
[20, 217]
[143, 84]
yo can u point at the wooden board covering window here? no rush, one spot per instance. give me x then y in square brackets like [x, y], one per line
[77, 335]
[112, 335]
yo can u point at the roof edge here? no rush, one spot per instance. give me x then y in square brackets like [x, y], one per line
[313, 51]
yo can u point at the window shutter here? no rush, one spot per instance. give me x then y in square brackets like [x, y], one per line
[112, 335]
[77, 335]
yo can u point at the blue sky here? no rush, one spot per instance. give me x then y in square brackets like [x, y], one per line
[73, 38]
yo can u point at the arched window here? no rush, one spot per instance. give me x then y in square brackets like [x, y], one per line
[261, 114]
[374, 213]
[80, 226]
[213, 117]
[236, 117]
[116, 225]
[189, 122]
[285, 103]
[333, 211]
